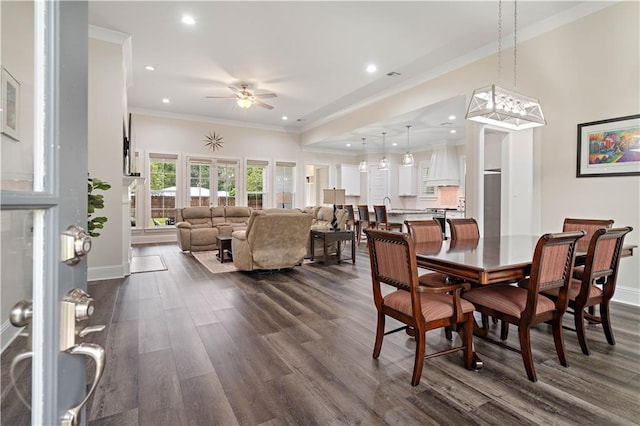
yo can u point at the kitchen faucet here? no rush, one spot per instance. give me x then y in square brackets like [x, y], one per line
[384, 201]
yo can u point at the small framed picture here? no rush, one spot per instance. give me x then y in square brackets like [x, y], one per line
[609, 147]
[9, 125]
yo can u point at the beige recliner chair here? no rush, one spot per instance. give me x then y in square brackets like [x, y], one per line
[273, 240]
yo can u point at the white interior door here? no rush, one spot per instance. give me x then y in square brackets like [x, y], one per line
[43, 192]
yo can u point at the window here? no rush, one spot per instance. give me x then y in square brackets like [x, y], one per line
[133, 207]
[285, 185]
[256, 183]
[162, 185]
[199, 183]
[226, 183]
[426, 190]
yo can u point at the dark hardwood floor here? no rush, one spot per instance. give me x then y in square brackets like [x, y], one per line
[187, 347]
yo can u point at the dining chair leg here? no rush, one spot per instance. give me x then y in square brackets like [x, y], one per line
[606, 323]
[447, 333]
[556, 326]
[421, 341]
[379, 336]
[504, 330]
[579, 324]
[525, 349]
[485, 321]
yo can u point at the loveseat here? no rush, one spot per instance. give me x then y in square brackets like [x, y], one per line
[322, 217]
[273, 239]
[198, 227]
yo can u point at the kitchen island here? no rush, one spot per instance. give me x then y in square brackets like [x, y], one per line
[440, 214]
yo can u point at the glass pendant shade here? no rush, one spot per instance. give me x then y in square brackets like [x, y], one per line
[384, 161]
[363, 167]
[505, 108]
[407, 160]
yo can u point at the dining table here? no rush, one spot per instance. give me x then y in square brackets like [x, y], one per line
[489, 260]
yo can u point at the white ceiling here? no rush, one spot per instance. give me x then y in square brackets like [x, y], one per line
[312, 55]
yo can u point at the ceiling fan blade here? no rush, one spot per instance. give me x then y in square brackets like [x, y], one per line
[262, 104]
[221, 97]
[233, 89]
[265, 95]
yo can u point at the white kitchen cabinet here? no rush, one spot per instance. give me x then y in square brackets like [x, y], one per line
[350, 179]
[407, 181]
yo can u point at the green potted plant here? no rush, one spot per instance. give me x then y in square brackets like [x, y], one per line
[96, 201]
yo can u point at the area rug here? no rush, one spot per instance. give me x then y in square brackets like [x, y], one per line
[209, 260]
[147, 264]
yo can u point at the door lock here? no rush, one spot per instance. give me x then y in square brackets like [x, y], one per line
[75, 243]
[77, 306]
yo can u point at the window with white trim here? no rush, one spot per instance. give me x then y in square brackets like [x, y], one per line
[285, 184]
[426, 190]
[199, 183]
[162, 189]
[227, 170]
[256, 183]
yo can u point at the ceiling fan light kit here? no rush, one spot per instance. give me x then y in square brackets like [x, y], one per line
[245, 98]
[502, 107]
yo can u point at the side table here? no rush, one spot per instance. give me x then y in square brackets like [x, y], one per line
[327, 237]
[224, 249]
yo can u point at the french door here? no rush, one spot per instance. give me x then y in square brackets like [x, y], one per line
[43, 197]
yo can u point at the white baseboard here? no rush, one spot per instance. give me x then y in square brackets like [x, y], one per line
[7, 333]
[105, 272]
[628, 296]
[154, 238]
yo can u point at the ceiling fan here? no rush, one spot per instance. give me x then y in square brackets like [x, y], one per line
[244, 98]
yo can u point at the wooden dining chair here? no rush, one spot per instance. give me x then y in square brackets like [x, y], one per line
[464, 229]
[551, 268]
[382, 220]
[427, 231]
[364, 221]
[393, 263]
[351, 218]
[590, 226]
[601, 268]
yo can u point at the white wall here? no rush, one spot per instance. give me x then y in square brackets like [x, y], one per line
[584, 71]
[105, 115]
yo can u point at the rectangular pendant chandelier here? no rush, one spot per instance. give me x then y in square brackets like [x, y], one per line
[504, 108]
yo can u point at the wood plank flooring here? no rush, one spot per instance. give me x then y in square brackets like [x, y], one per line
[187, 347]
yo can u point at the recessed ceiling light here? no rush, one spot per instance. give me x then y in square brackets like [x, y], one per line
[452, 117]
[284, 117]
[348, 144]
[452, 131]
[371, 68]
[149, 68]
[186, 19]
[395, 144]
[165, 100]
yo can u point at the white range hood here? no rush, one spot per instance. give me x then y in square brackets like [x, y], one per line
[444, 170]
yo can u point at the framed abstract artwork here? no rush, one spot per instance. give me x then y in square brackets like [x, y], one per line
[9, 125]
[609, 147]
